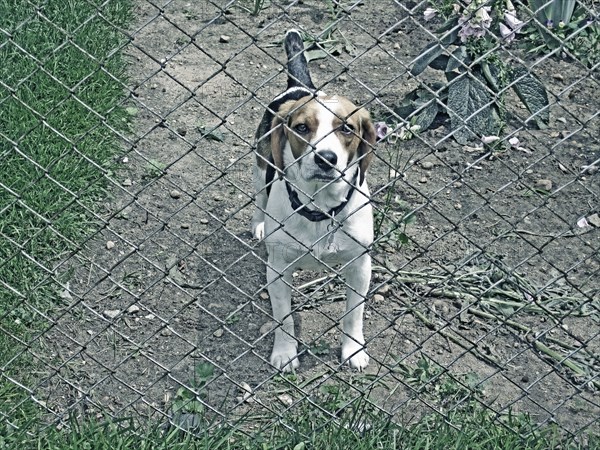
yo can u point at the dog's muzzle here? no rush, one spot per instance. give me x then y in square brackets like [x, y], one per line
[326, 160]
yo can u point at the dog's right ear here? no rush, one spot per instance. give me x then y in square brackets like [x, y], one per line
[278, 134]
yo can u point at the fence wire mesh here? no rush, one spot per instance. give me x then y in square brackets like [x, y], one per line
[485, 285]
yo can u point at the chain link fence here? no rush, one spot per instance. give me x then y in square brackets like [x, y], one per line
[486, 274]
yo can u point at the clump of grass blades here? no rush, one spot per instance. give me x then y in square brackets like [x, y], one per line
[60, 96]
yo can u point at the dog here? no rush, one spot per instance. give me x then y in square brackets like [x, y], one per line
[312, 201]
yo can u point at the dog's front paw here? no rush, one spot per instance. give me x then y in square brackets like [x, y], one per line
[285, 359]
[355, 356]
[258, 231]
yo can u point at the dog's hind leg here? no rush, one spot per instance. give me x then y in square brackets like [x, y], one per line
[358, 276]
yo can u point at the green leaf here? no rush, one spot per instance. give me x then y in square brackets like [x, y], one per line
[417, 99]
[429, 54]
[491, 74]
[314, 54]
[458, 56]
[204, 372]
[439, 63]
[403, 238]
[426, 116]
[469, 108]
[533, 94]
[215, 135]
[448, 25]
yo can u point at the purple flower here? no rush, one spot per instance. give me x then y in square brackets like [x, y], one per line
[475, 21]
[381, 130]
[507, 34]
[512, 21]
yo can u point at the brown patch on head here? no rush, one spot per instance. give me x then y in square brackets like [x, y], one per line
[302, 126]
[296, 123]
[354, 128]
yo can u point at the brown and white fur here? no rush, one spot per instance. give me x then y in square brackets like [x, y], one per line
[321, 146]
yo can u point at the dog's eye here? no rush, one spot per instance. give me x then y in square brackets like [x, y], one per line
[347, 128]
[301, 128]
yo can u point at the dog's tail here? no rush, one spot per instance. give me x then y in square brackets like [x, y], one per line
[298, 74]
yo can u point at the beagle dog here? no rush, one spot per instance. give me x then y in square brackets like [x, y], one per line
[312, 201]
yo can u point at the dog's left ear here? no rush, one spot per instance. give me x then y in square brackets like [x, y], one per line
[365, 148]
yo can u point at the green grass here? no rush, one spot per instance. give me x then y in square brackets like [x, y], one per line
[59, 99]
[312, 429]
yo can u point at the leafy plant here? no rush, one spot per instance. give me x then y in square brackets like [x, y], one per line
[154, 168]
[554, 12]
[393, 215]
[329, 42]
[254, 7]
[477, 78]
[562, 25]
[188, 401]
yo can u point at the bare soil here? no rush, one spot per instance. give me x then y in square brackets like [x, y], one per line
[185, 280]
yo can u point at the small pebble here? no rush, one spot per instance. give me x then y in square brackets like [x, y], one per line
[181, 131]
[185, 225]
[525, 379]
[544, 184]
[558, 76]
[423, 180]
[218, 333]
[111, 313]
[175, 193]
[203, 221]
[133, 309]
[590, 170]
[127, 182]
[286, 399]
[384, 289]
[166, 332]
[427, 165]
[594, 219]
[378, 298]
[264, 295]
[224, 38]
[110, 244]
[343, 78]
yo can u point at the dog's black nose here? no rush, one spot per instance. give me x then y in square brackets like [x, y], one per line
[325, 159]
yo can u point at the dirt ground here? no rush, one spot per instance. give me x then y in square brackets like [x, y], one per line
[184, 282]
